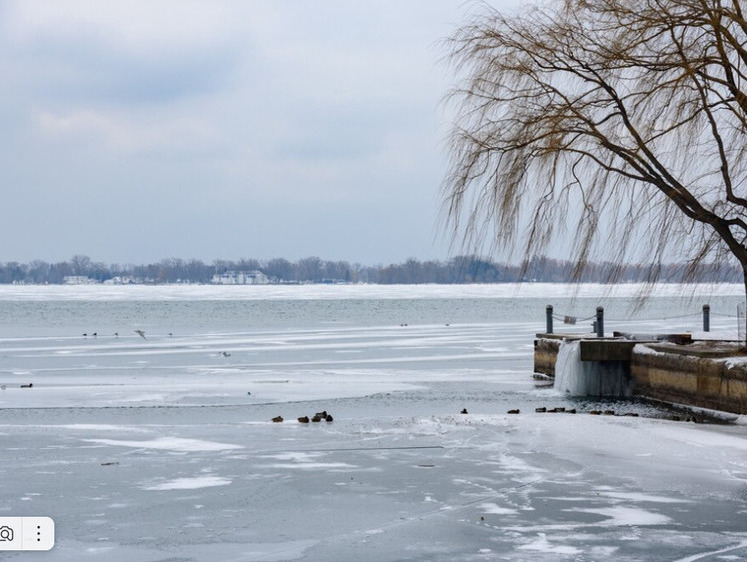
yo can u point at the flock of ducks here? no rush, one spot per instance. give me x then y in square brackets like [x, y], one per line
[562, 410]
[316, 418]
[324, 416]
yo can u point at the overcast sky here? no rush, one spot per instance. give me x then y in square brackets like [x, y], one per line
[136, 131]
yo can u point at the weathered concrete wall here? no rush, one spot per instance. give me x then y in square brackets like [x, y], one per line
[545, 355]
[606, 350]
[695, 381]
[678, 375]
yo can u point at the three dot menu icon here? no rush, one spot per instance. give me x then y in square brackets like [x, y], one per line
[26, 533]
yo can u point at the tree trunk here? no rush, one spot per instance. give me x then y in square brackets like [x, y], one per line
[742, 340]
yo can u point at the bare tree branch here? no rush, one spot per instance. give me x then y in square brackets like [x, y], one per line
[578, 112]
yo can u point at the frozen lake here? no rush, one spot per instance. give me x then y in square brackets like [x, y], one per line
[162, 448]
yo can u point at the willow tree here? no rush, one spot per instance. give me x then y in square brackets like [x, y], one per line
[576, 114]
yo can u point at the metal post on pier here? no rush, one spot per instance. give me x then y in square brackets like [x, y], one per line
[706, 318]
[599, 324]
[548, 316]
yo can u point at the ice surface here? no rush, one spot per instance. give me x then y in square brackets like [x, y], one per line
[642, 498]
[164, 449]
[627, 516]
[541, 544]
[170, 444]
[189, 483]
[494, 509]
[721, 554]
[348, 292]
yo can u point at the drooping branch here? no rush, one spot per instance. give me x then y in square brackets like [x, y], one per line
[593, 108]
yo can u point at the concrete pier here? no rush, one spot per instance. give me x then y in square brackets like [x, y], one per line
[703, 374]
[606, 350]
[696, 377]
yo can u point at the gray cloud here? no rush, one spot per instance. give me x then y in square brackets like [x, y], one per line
[222, 129]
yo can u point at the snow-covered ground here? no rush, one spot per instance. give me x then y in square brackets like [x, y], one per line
[163, 449]
[361, 291]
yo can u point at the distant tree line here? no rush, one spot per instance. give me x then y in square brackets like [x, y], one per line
[460, 269]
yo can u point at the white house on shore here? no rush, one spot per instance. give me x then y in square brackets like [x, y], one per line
[240, 278]
[122, 280]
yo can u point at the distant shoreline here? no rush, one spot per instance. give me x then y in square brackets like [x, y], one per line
[81, 270]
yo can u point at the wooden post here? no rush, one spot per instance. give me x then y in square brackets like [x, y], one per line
[600, 322]
[548, 317]
[706, 318]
